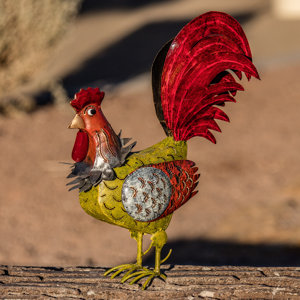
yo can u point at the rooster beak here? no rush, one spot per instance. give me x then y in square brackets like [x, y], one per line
[77, 122]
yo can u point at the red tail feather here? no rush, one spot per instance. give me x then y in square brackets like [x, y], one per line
[195, 75]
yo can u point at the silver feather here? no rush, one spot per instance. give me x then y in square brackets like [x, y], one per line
[87, 176]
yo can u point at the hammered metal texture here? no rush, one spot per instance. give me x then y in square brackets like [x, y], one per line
[146, 193]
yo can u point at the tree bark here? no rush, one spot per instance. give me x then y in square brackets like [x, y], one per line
[183, 282]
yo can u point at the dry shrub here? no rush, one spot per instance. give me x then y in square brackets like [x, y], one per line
[28, 31]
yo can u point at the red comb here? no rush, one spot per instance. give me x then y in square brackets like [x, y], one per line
[88, 96]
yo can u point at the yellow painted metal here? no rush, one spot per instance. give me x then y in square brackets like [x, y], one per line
[159, 239]
[104, 202]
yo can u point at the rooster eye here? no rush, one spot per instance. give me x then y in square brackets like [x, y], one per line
[91, 111]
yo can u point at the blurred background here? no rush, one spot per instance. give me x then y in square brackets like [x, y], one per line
[247, 211]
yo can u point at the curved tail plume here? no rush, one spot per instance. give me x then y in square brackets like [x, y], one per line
[196, 72]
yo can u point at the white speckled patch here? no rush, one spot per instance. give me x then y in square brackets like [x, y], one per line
[146, 193]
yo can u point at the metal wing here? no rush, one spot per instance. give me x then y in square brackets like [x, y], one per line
[146, 193]
[155, 191]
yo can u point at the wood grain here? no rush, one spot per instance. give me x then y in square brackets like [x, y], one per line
[183, 282]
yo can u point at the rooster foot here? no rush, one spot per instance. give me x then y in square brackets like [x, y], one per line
[122, 268]
[151, 274]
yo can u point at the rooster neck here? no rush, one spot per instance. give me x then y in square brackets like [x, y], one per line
[106, 148]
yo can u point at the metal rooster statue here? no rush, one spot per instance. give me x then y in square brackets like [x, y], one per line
[191, 75]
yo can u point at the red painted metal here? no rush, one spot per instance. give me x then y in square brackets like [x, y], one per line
[195, 75]
[100, 134]
[85, 97]
[183, 177]
[81, 145]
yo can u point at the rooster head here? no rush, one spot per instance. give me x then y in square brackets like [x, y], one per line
[97, 149]
[87, 104]
[94, 130]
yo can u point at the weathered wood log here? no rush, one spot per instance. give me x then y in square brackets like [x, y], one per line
[183, 282]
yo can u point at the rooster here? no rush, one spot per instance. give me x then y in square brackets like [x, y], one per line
[191, 75]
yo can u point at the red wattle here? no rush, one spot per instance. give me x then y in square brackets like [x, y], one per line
[81, 145]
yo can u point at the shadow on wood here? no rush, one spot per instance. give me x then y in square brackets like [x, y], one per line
[217, 253]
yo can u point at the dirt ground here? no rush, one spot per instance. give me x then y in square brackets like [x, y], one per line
[247, 210]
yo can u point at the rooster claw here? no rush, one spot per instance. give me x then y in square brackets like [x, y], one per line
[141, 274]
[134, 272]
[121, 268]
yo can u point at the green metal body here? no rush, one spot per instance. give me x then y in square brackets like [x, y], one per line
[104, 202]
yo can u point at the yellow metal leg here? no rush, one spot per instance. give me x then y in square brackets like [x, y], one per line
[159, 239]
[139, 239]
[137, 271]
[138, 236]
